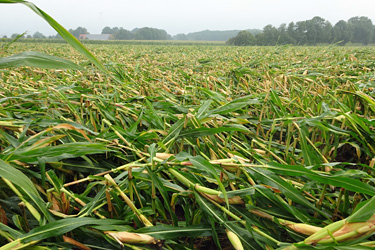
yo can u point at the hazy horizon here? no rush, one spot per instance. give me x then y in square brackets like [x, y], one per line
[176, 17]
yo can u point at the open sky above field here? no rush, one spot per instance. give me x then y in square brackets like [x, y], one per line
[177, 16]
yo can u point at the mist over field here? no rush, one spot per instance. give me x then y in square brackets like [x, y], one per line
[177, 17]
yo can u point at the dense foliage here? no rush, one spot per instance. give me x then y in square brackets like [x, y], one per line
[312, 32]
[144, 33]
[270, 143]
[210, 35]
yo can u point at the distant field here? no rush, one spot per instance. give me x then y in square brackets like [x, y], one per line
[200, 146]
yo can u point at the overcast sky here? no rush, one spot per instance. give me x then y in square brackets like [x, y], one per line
[176, 16]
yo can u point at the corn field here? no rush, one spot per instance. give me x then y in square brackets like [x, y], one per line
[186, 146]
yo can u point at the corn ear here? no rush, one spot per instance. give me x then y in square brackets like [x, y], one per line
[297, 227]
[163, 156]
[303, 228]
[131, 238]
[324, 232]
[233, 238]
[351, 231]
[206, 190]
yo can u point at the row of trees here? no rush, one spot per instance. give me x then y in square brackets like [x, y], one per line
[117, 34]
[36, 35]
[311, 32]
[144, 33]
[211, 35]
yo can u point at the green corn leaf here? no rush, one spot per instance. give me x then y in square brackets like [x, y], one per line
[174, 131]
[169, 232]
[353, 247]
[59, 152]
[288, 190]
[240, 192]
[282, 207]
[153, 116]
[13, 141]
[36, 59]
[211, 211]
[6, 46]
[87, 210]
[17, 177]
[337, 181]
[364, 212]
[14, 233]
[203, 109]
[200, 163]
[63, 32]
[199, 132]
[213, 95]
[235, 105]
[278, 106]
[54, 180]
[163, 191]
[309, 154]
[63, 226]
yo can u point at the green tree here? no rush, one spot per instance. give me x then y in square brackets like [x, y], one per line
[122, 34]
[341, 33]
[260, 39]
[361, 29]
[271, 35]
[147, 33]
[318, 30]
[284, 37]
[243, 38]
[109, 30]
[78, 31]
[38, 35]
[180, 37]
[292, 32]
[212, 35]
[301, 31]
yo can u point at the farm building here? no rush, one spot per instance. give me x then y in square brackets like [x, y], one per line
[95, 36]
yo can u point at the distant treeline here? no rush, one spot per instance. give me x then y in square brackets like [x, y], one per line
[209, 35]
[357, 30]
[158, 34]
[116, 33]
[144, 33]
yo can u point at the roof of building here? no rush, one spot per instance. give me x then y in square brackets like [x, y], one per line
[95, 36]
